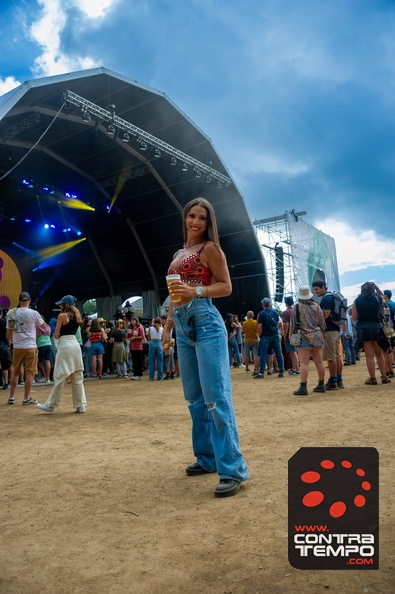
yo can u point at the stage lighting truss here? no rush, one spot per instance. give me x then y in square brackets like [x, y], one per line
[146, 139]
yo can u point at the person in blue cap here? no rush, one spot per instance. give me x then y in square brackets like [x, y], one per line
[68, 363]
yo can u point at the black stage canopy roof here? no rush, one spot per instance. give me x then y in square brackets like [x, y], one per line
[52, 157]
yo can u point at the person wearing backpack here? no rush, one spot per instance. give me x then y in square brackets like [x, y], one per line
[268, 325]
[307, 318]
[331, 336]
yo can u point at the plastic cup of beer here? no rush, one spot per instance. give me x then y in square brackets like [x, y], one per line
[171, 278]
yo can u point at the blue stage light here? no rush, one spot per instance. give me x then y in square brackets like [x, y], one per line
[28, 220]
[79, 233]
[46, 226]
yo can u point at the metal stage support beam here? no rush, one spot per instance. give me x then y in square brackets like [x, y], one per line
[283, 269]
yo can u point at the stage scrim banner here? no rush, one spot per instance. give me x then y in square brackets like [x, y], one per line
[314, 252]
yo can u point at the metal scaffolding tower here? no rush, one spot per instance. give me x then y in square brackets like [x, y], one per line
[283, 268]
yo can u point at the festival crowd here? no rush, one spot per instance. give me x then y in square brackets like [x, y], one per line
[199, 345]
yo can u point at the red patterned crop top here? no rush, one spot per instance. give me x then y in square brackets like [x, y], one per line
[192, 270]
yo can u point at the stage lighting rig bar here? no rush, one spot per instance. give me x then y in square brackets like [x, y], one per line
[142, 135]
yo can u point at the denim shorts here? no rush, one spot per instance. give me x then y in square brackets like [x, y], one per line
[45, 353]
[97, 349]
[369, 331]
[289, 347]
[251, 347]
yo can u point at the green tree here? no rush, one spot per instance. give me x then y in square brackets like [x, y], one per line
[90, 307]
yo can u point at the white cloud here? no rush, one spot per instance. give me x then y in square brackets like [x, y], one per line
[95, 9]
[255, 162]
[356, 249]
[47, 30]
[7, 84]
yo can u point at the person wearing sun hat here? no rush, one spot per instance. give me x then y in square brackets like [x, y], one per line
[308, 318]
[68, 363]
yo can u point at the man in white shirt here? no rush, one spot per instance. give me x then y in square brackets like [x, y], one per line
[21, 332]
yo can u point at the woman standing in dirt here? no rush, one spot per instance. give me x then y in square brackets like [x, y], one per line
[68, 363]
[307, 317]
[203, 348]
[98, 338]
[366, 310]
[137, 337]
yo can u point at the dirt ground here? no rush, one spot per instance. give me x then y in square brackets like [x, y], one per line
[100, 503]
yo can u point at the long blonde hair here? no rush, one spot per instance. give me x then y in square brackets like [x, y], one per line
[73, 312]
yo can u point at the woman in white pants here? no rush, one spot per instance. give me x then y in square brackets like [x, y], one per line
[68, 363]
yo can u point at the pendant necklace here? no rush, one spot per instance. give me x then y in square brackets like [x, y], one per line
[192, 244]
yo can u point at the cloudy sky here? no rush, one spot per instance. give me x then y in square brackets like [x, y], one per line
[297, 97]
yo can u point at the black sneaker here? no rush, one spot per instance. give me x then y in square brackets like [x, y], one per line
[258, 376]
[340, 384]
[319, 388]
[195, 469]
[331, 385]
[29, 401]
[227, 488]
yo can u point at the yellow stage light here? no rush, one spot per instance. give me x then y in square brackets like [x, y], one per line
[55, 250]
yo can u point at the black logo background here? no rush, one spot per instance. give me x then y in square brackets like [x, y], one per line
[337, 484]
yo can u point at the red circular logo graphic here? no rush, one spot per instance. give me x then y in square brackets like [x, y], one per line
[337, 509]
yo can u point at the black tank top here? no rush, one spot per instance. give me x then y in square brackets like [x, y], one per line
[69, 329]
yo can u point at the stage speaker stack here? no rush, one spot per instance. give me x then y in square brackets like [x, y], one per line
[279, 294]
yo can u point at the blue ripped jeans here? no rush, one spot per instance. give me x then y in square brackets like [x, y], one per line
[264, 344]
[204, 366]
[233, 347]
[155, 354]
